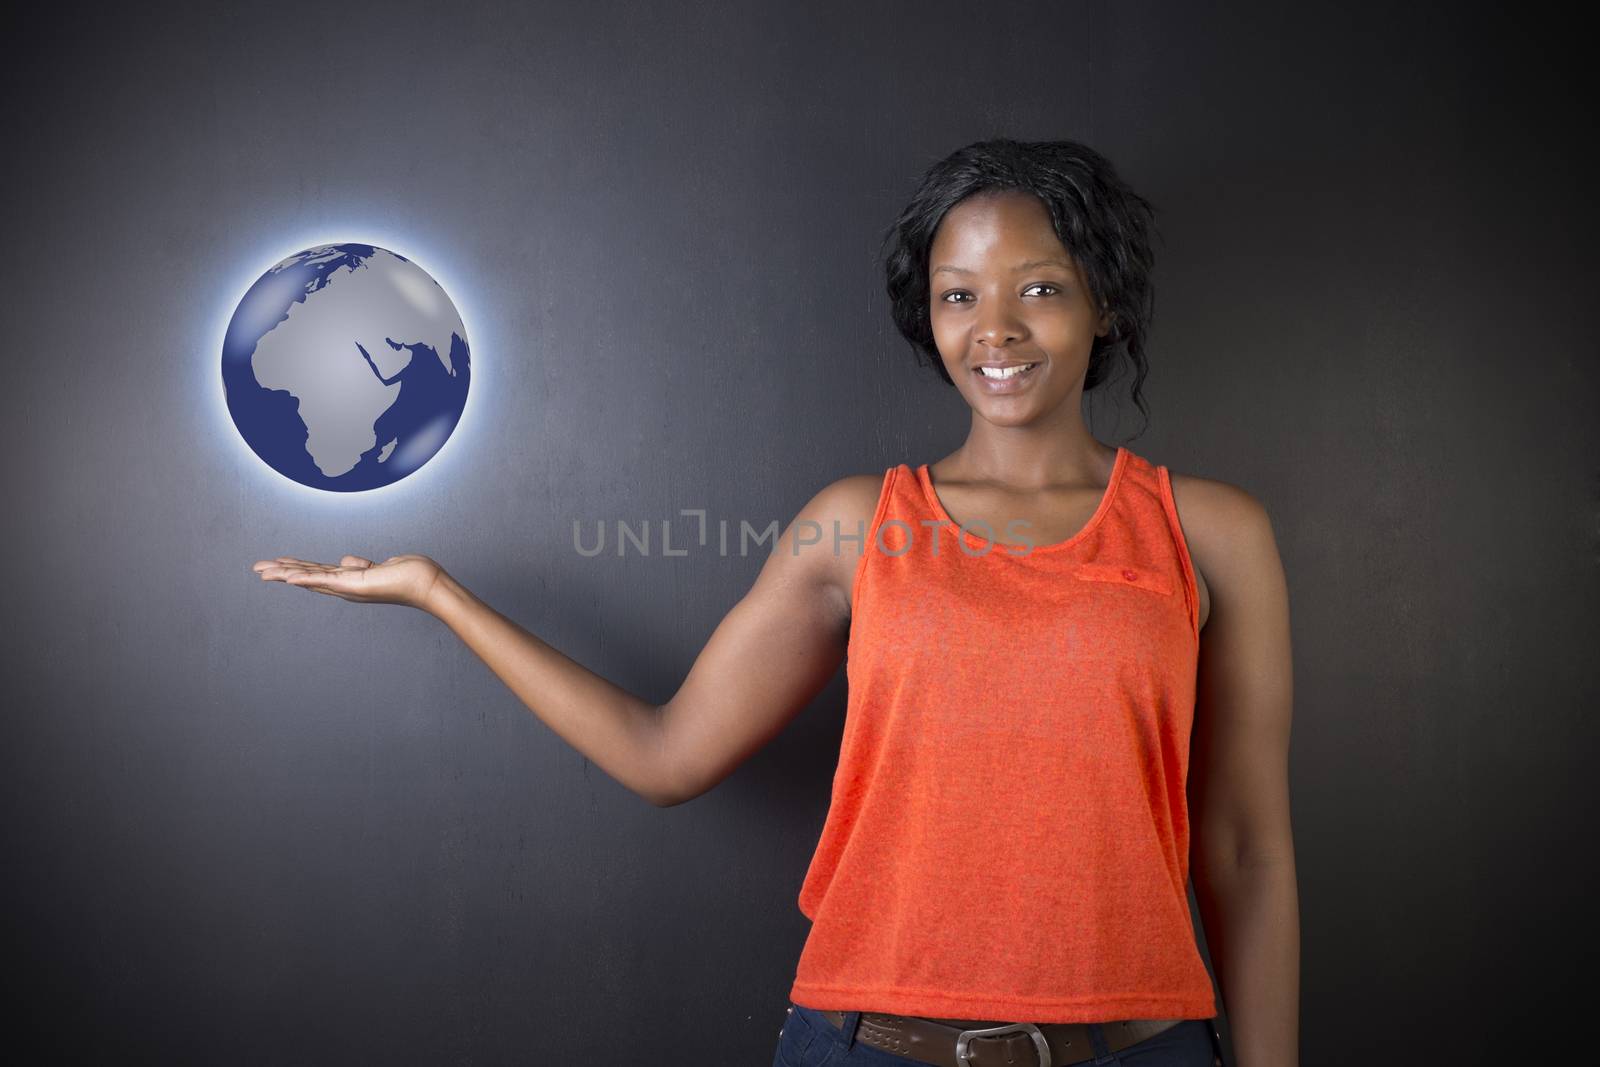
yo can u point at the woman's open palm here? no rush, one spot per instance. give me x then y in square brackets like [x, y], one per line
[403, 580]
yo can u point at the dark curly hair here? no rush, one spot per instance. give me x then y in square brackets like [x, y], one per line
[1098, 218]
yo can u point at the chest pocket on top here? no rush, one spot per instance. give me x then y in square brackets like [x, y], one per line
[1136, 577]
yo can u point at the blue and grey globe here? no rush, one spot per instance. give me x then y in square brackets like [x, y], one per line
[346, 367]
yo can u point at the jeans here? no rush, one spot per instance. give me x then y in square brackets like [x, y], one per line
[808, 1039]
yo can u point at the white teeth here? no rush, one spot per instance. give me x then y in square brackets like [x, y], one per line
[1003, 373]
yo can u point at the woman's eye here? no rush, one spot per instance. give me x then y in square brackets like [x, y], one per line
[947, 298]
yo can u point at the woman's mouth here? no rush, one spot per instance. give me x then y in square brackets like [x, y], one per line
[1010, 379]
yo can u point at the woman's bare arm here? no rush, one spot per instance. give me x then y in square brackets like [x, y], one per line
[767, 659]
[777, 648]
[1242, 844]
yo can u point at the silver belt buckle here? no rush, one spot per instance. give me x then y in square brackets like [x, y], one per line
[998, 1031]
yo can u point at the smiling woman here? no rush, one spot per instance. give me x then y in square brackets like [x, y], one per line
[1005, 878]
[1036, 728]
[1049, 224]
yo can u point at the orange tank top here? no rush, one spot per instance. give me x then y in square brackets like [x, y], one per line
[1007, 837]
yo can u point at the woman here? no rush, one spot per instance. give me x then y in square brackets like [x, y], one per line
[1036, 717]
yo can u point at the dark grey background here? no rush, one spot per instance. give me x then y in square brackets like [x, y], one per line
[247, 824]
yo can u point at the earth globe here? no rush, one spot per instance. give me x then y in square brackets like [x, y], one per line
[346, 367]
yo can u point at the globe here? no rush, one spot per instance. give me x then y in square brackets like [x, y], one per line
[346, 367]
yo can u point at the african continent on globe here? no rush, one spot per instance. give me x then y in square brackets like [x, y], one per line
[345, 367]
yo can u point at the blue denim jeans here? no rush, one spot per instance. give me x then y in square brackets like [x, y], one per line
[808, 1039]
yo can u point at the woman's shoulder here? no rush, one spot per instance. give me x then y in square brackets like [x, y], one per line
[1216, 509]
[848, 500]
[845, 505]
[829, 531]
[1228, 532]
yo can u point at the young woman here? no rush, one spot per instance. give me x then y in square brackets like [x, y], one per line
[1046, 719]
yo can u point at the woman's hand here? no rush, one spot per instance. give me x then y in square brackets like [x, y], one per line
[406, 580]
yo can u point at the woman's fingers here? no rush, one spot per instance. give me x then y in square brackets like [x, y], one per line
[397, 580]
[272, 571]
[282, 561]
[290, 561]
[341, 582]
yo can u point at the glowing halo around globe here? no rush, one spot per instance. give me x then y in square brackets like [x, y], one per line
[346, 367]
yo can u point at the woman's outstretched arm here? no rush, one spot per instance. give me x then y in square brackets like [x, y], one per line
[768, 658]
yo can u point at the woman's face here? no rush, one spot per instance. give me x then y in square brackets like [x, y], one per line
[1003, 289]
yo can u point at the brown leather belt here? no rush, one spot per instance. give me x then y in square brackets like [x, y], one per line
[979, 1043]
